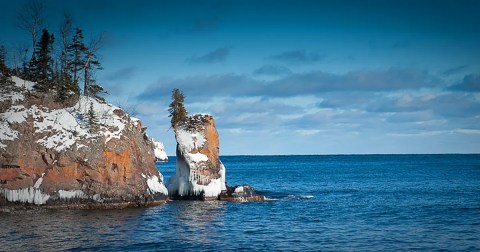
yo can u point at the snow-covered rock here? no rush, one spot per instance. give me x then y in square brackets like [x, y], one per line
[159, 151]
[199, 174]
[51, 153]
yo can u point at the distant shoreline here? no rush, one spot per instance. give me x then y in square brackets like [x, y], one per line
[300, 155]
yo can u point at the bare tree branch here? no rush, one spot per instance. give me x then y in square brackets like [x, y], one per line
[31, 18]
[66, 29]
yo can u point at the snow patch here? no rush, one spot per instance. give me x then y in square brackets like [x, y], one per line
[190, 141]
[6, 133]
[159, 151]
[135, 121]
[154, 184]
[239, 189]
[61, 128]
[198, 157]
[28, 85]
[16, 114]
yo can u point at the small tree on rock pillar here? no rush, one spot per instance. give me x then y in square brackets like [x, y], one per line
[178, 113]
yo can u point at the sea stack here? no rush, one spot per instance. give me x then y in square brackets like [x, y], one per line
[86, 154]
[199, 173]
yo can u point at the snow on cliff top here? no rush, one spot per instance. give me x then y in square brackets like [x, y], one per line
[190, 135]
[60, 129]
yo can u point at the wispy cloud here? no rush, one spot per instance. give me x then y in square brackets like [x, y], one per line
[311, 83]
[297, 57]
[122, 74]
[470, 83]
[455, 70]
[272, 70]
[215, 56]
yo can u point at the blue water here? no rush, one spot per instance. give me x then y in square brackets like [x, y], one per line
[329, 203]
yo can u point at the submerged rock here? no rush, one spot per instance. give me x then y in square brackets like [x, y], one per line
[51, 153]
[199, 173]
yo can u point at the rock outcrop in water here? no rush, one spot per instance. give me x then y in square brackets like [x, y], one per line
[52, 154]
[200, 174]
[244, 193]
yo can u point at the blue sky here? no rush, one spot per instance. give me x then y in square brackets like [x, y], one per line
[292, 77]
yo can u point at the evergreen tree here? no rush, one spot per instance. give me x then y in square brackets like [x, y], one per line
[66, 88]
[6, 83]
[3, 65]
[41, 65]
[76, 56]
[178, 113]
[91, 64]
[94, 90]
[93, 123]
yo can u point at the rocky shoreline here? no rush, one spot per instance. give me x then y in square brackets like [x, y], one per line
[51, 156]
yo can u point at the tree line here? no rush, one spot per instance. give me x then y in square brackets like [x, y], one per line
[60, 63]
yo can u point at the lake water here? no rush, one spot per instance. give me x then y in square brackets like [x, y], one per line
[332, 202]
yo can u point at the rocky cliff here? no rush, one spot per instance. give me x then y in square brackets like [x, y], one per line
[199, 173]
[85, 154]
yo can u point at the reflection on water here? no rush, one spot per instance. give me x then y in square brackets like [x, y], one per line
[196, 220]
[189, 222]
[65, 229]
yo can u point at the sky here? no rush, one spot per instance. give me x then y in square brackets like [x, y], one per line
[290, 77]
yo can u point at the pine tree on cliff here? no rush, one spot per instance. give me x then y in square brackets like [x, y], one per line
[5, 82]
[76, 56]
[41, 65]
[4, 70]
[92, 119]
[91, 88]
[94, 90]
[66, 88]
[178, 113]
